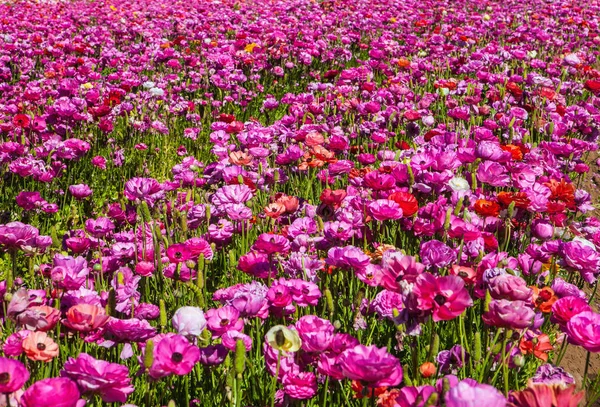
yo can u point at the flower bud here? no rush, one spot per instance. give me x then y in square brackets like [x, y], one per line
[149, 354]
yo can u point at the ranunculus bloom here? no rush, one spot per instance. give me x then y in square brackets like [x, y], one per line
[13, 375]
[300, 386]
[39, 346]
[189, 321]
[584, 330]
[371, 365]
[567, 307]
[509, 314]
[174, 354]
[445, 296]
[85, 317]
[316, 333]
[470, 394]
[52, 392]
[109, 380]
[543, 395]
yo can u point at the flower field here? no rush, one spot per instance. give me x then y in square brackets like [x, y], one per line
[259, 203]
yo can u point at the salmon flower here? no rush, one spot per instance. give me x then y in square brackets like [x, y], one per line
[39, 346]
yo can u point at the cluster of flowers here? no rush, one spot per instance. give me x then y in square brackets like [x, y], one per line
[333, 201]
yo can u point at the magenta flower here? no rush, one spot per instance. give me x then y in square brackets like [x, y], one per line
[13, 375]
[371, 365]
[173, 354]
[129, 330]
[566, 308]
[300, 386]
[179, 253]
[230, 338]
[221, 320]
[584, 330]
[398, 267]
[109, 380]
[52, 392]
[445, 296]
[99, 227]
[509, 314]
[69, 272]
[269, 243]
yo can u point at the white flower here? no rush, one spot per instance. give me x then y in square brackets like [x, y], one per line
[148, 85]
[458, 184]
[157, 92]
[282, 338]
[189, 321]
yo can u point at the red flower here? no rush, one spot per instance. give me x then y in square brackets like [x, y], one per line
[407, 202]
[592, 85]
[484, 207]
[21, 120]
[537, 346]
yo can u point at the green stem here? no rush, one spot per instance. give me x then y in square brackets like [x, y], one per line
[274, 381]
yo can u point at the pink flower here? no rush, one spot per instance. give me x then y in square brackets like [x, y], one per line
[446, 296]
[384, 209]
[371, 365]
[509, 314]
[174, 354]
[316, 333]
[584, 330]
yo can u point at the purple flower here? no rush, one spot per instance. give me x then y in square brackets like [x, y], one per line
[129, 330]
[109, 380]
[436, 254]
[143, 189]
[509, 287]
[213, 355]
[300, 386]
[552, 375]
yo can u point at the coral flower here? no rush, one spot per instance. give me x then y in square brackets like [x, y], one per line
[85, 317]
[39, 346]
[544, 395]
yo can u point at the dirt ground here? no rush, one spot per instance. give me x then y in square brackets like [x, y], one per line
[574, 359]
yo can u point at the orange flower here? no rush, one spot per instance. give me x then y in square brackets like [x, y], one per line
[39, 346]
[427, 369]
[514, 151]
[562, 191]
[544, 298]
[361, 391]
[388, 398]
[484, 207]
[537, 346]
